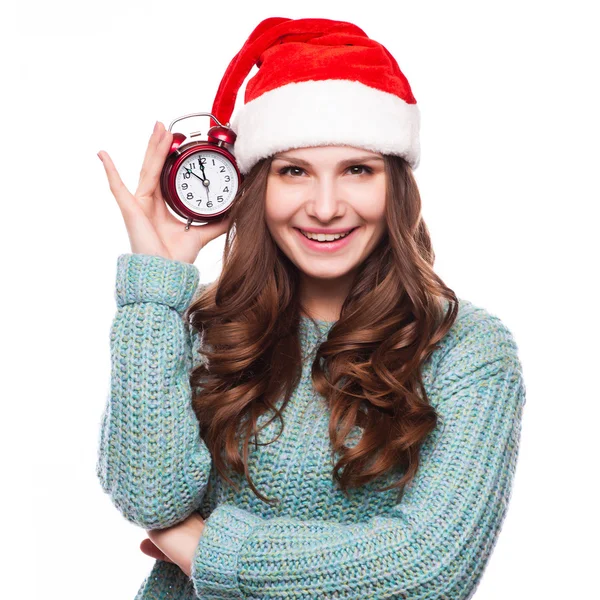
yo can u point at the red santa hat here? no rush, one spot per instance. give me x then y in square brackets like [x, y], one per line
[319, 82]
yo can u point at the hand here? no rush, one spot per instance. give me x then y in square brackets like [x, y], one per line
[175, 544]
[152, 229]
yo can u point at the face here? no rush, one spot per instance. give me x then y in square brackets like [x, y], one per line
[327, 188]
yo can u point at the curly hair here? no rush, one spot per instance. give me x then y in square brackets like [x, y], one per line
[369, 367]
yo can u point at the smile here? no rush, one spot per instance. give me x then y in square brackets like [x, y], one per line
[326, 242]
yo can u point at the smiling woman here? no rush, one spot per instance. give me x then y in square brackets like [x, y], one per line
[315, 196]
[399, 405]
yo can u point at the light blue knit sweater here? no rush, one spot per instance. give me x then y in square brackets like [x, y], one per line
[316, 543]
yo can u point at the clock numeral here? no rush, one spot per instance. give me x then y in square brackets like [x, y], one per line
[209, 204]
[187, 175]
[192, 165]
[202, 160]
[184, 186]
[222, 169]
[219, 198]
[190, 196]
[227, 178]
[225, 189]
[213, 162]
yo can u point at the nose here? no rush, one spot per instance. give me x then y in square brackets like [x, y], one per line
[326, 202]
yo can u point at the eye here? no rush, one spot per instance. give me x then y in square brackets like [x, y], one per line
[365, 170]
[289, 167]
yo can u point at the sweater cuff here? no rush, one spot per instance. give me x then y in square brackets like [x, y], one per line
[215, 564]
[153, 278]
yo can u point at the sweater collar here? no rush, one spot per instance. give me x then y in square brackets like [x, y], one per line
[312, 334]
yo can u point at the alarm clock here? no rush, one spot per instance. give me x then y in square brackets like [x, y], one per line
[200, 178]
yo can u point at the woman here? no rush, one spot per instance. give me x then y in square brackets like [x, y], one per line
[327, 419]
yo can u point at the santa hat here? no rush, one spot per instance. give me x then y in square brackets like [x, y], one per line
[319, 82]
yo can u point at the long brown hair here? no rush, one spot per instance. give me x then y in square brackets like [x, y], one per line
[368, 368]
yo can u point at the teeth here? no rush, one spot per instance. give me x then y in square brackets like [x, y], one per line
[324, 237]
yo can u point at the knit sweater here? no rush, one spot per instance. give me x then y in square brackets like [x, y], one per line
[316, 543]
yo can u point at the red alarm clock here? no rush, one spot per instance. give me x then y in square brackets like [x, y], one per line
[200, 178]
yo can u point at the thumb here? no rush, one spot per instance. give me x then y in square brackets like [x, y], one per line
[117, 187]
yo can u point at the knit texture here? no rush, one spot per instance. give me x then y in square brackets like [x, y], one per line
[316, 543]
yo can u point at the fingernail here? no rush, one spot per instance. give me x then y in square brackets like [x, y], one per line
[156, 127]
[100, 156]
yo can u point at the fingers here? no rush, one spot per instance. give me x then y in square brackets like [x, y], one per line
[211, 231]
[157, 134]
[156, 154]
[152, 142]
[225, 224]
[147, 547]
[117, 187]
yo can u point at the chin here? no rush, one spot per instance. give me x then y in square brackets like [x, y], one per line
[326, 273]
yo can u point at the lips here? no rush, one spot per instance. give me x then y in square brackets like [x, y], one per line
[325, 231]
[343, 233]
[326, 246]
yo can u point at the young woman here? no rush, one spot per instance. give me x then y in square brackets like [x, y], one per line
[327, 419]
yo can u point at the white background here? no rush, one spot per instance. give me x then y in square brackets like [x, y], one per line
[509, 99]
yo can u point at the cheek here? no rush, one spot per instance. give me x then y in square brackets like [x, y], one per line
[280, 206]
[370, 203]
[379, 195]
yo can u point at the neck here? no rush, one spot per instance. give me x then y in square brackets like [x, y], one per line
[322, 299]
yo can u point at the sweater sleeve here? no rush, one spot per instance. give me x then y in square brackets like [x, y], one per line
[151, 459]
[434, 543]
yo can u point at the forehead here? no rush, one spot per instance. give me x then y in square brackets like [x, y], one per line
[326, 153]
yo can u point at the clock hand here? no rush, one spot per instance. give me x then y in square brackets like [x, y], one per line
[206, 182]
[203, 173]
[192, 172]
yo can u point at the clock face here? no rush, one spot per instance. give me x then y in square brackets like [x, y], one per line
[206, 182]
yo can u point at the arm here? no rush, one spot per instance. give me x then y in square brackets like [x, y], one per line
[435, 543]
[151, 459]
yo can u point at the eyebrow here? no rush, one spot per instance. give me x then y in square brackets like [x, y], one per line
[342, 163]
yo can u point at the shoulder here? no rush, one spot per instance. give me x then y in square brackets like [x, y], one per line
[476, 329]
[202, 287]
[478, 339]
